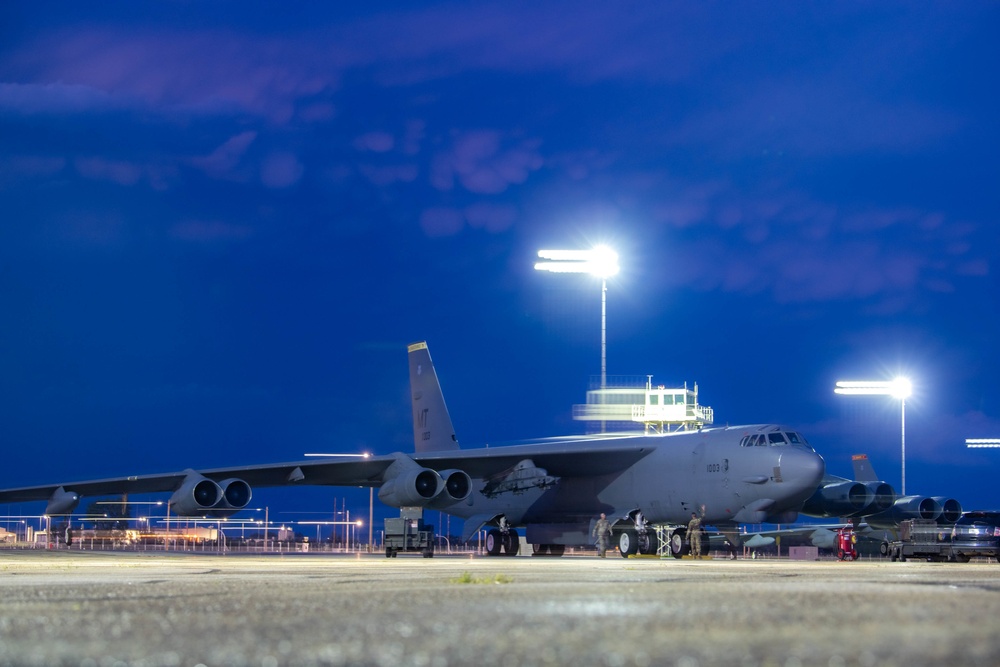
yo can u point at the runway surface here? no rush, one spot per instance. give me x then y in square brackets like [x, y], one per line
[103, 609]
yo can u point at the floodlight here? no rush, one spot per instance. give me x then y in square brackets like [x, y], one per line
[599, 261]
[900, 388]
[982, 442]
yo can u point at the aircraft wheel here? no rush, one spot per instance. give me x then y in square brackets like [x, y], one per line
[539, 550]
[649, 543]
[678, 545]
[493, 542]
[511, 543]
[628, 542]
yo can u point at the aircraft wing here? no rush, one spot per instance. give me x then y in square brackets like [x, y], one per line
[563, 460]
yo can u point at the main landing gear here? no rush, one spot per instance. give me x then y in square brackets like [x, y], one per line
[502, 540]
[638, 538]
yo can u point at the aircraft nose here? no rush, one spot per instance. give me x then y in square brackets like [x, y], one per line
[804, 469]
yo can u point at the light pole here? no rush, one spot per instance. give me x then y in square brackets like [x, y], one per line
[900, 388]
[599, 261]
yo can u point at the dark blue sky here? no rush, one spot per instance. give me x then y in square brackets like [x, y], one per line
[220, 226]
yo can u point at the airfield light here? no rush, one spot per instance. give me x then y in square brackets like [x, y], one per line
[900, 388]
[600, 261]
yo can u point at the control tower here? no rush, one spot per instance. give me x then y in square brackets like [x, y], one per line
[626, 402]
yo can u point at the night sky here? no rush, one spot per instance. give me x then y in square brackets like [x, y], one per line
[221, 224]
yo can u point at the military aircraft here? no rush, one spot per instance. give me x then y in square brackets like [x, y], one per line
[553, 488]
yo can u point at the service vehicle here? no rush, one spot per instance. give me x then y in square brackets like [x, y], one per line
[976, 534]
[922, 538]
[408, 534]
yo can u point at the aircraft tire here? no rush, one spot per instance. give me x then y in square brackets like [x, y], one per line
[511, 543]
[649, 543]
[539, 549]
[493, 542]
[628, 542]
[678, 543]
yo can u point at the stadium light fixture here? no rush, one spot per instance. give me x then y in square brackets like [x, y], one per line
[900, 388]
[982, 442]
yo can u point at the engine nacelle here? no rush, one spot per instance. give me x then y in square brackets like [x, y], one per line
[235, 493]
[62, 502]
[195, 496]
[883, 496]
[414, 487]
[907, 507]
[951, 509]
[845, 498]
[457, 487]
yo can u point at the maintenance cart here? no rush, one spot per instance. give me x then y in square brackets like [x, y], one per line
[408, 534]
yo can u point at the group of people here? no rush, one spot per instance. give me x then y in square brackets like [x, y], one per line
[602, 531]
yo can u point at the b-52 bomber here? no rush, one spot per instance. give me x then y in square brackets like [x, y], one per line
[553, 489]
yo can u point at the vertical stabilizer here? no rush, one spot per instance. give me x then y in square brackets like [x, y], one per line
[432, 429]
[863, 471]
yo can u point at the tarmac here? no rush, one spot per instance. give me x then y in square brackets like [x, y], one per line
[94, 609]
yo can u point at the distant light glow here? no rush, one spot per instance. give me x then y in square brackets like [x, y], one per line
[365, 455]
[600, 261]
[900, 387]
[982, 442]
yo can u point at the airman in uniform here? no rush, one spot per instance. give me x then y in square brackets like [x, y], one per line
[694, 532]
[602, 531]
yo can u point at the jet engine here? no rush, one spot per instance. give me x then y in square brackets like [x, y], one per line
[411, 488]
[907, 507]
[883, 496]
[457, 487]
[407, 484]
[845, 498]
[200, 496]
[951, 509]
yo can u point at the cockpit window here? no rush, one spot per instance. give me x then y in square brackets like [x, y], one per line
[776, 439]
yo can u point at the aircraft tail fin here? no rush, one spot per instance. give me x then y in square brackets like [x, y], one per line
[863, 470]
[432, 428]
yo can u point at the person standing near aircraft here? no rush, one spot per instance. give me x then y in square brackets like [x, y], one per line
[694, 532]
[602, 531]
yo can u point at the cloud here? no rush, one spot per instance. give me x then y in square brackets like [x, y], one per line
[281, 170]
[438, 222]
[444, 221]
[57, 97]
[115, 171]
[481, 164]
[376, 142]
[224, 159]
[801, 250]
